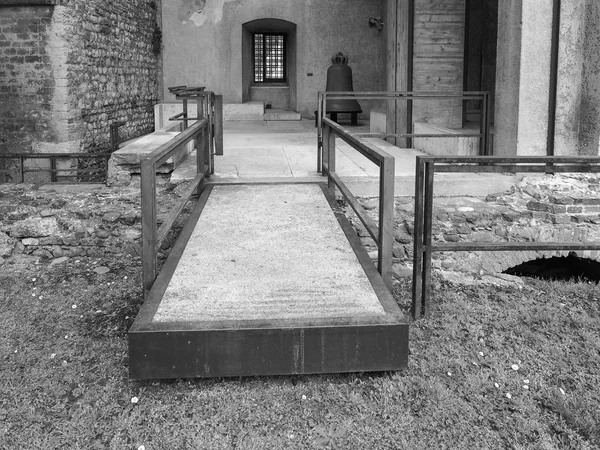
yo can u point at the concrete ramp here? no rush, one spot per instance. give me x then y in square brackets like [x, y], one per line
[267, 279]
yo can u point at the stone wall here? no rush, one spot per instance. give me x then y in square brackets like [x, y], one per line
[70, 69]
[54, 222]
[26, 77]
[553, 208]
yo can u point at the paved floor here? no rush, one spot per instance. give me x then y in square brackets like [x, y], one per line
[267, 252]
[287, 151]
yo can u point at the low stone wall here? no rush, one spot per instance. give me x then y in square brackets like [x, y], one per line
[561, 208]
[55, 222]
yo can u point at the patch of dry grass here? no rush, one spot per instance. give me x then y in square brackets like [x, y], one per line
[64, 384]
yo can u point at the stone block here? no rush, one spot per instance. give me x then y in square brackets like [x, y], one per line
[446, 146]
[378, 121]
[243, 111]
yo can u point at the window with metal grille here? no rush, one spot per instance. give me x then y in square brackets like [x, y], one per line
[269, 58]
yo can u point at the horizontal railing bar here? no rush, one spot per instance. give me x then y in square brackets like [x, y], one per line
[172, 216]
[439, 135]
[66, 172]
[367, 149]
[500, 246]
[53, 155]
[366, 220]
[165, 151]
[377, 95]
[510, 159]
[176, 116]
[518, 168]
[184, 119]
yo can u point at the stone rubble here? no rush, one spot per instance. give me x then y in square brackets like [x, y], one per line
[53, 222]
[540, 208]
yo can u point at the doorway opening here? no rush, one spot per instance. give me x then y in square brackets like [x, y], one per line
[269, 63]
[481, 40]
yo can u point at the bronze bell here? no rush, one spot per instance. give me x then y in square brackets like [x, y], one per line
[339, 78]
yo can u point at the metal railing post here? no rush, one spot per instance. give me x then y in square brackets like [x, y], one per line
[427, 228]
[320, 137]
[148, 194]
[386, 220]
[330, 157]
[483, 126]
[417, 285]
[218, 131]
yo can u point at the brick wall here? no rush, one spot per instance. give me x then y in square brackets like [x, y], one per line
[67, 71]
[26, 82]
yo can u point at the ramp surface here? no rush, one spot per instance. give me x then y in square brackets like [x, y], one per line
[264, 280]
[267, 251]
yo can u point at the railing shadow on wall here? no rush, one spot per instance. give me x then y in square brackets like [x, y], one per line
[382, 234]
[202, 132]
[424, 246]
[410, 97]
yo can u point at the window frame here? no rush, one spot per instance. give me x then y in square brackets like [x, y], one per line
[265, 79]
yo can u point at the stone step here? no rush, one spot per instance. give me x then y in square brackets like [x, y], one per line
[127, 159]
[280, 114]
[243, 111]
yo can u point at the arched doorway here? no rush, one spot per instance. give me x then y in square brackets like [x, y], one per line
[269, 63]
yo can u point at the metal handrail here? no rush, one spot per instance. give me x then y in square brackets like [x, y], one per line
[409, 96]
[383, 233]
[74, 172]
[426, 166]
[152, 238]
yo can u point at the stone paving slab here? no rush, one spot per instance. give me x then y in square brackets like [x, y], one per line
[268, 252]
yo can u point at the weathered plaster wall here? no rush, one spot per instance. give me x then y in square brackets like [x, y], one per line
[523, 78]
[70, 70]
[578, 113]
[589, 138]
[203, 43]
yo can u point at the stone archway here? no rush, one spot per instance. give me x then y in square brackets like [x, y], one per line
[282, 93]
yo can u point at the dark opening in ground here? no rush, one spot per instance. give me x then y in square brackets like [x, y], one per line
[565, 268]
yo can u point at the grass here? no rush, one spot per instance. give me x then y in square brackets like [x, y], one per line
[64, 384]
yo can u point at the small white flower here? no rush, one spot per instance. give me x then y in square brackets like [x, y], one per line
[508, 395]
[33, 279]
[449, 374]
[74, 306]
[304, 397]
[134, 400]
[142, 447]
[67, 336]
[291, 436]
[125, 277]
[496, 385]
[41, 298]
[480, 353]
[64, 363]
[33, 295]
[514, 367]
[53, 355]
[526, 381]
[561, 391]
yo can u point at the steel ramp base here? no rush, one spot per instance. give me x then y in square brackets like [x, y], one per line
[331, 326]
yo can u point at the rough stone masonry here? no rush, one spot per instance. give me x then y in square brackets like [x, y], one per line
[546, 208]
[69, 68]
